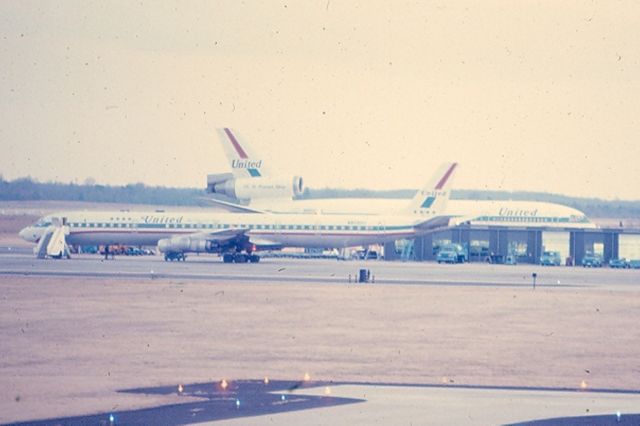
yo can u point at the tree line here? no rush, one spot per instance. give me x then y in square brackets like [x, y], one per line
[29, 189]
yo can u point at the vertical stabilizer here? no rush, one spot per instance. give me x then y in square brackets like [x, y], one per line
[244, 162]
[433, 198]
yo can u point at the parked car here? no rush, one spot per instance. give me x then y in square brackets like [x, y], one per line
[451, 253]
[132, 251]
[634, 264]
[447, 256]
[618, 263]
[550, 258]
[592, 260]
[365, 255]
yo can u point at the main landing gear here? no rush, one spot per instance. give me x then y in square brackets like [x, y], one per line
[240, 258]
[171, 256]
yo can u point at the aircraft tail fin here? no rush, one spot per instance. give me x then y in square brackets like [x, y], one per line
[243, 160]
[433, 198]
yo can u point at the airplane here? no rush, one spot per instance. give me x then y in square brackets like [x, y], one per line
[238, 236]
[482, 212]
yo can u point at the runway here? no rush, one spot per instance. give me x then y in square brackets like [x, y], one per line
[85, 338]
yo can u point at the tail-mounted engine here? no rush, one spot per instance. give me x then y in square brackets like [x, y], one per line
[248, 189]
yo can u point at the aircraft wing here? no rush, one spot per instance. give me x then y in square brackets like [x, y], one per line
[444, 221]
[216, 240]
[220, 235]
[459, 220]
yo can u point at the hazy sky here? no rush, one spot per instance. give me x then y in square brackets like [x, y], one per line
[526, 95]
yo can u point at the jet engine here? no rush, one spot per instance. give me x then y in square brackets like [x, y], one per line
[184, 244]
[248, 189]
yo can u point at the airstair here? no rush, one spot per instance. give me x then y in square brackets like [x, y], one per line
[53, 242]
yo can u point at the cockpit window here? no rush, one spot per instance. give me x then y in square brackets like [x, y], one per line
[43, 222]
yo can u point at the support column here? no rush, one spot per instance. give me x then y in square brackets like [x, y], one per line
[498, 241]
[390, 251]
[418, 248]
[423, 247]
[576, 246]
[611, 246]
[503, 243]
[493, 241]
[534, 245]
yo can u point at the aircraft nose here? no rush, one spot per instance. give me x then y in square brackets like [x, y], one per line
[26, 234]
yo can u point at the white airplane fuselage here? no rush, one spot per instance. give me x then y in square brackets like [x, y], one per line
[484, 212]
[295, 230]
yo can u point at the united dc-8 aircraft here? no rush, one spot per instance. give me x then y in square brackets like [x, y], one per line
[239, 236]
[252, 187]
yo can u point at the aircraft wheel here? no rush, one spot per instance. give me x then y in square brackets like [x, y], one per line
[254, 258]
[227, 258]
[240, 258]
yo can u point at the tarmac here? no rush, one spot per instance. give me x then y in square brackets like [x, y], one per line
[142, 341]
[19, 262]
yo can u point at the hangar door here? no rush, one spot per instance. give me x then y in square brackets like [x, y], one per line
[629, 246]
[556, 241]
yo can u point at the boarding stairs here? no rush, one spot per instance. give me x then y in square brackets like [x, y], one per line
[53, 242]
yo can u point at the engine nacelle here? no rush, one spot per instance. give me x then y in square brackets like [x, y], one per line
[256, 188]
[182, 244]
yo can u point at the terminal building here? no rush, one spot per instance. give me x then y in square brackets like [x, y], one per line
[522, 231]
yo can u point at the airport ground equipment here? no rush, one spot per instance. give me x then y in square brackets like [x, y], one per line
[550, 258]
[592, 260]
[619, 263]
[451, 253]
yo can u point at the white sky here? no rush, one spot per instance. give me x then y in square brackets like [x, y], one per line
[526, 95]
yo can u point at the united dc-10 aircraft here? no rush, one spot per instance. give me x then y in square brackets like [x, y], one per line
[238, 236]
[251, 187]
